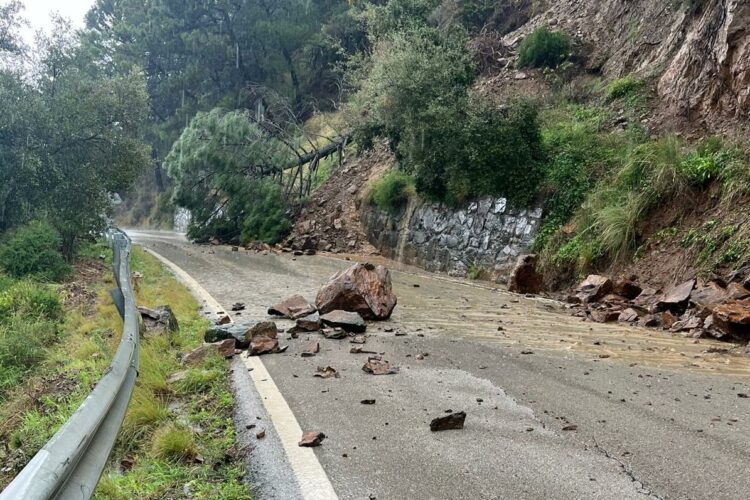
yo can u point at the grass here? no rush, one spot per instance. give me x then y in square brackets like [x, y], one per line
[174, 443]
[392, 191]
[601, 185]
[624, 87]
[178, 438]
[168, 427]
[543, 48]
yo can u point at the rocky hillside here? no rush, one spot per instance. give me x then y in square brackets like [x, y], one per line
[697, 51]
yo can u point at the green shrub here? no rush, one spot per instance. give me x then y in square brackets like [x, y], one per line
[34, 250]
[265, 215]
[30, 301]
[624, 87]
[544, 49]
[392, 190]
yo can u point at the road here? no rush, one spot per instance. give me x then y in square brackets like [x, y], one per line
[657, 416]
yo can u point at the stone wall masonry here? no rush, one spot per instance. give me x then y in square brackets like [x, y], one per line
[486, 234]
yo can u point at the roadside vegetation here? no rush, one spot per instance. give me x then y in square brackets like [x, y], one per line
[56, 341]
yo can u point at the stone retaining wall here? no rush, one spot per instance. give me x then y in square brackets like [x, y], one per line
[486, 235]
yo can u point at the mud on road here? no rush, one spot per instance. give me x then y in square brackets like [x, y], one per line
[655, 415]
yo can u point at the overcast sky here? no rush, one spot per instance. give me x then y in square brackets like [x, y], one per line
[38, 12]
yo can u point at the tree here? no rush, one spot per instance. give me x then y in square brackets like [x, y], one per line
[227, 172]
[414, 92]
[69, 138]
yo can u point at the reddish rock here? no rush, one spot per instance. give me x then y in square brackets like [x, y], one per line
[293, 307]
[263, 345]
[647, 298]
[736, 291]
[310, 323]
[195, 357]
[524, 278]
[629, 315]
[627, 289]
[266, 329]
[378, 366]
[676, 297]
[310, 439]
[363, 288]
[668, 319]
[604, 316]
[733, 318]
[452, 421]
[593, 288]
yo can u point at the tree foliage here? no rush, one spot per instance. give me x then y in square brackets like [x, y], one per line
[70, 137]
[414, 92]
[224, 166]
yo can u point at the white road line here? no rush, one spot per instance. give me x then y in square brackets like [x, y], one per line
[311, 478]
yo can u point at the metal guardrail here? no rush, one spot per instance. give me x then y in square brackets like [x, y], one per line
[72, 461]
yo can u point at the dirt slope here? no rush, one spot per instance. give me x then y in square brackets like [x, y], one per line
[330, 220]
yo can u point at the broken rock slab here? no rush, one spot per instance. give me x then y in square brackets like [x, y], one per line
[292, 307]
[593, 288]
[158, 321]
[349, 321]
[266, 329]
[676, 297]
[225, 348]
[363, 288]
[309, 323]
[311, 439]
[629, 315]
[263, 345]
[376, 365]
[237, 332]
[448, 422]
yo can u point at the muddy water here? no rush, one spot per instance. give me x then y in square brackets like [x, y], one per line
[470, 310]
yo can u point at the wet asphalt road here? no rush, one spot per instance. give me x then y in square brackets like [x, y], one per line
[656, 416]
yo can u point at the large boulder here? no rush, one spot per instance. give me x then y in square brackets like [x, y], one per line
[363, 288]
[524, 278]
[292, 307]
[593, 288]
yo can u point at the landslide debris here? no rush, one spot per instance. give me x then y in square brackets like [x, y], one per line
[363, 288]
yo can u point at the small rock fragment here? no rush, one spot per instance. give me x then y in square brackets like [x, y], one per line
[451, 421]
[311, 439]
[377, 366]
[327, 372]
